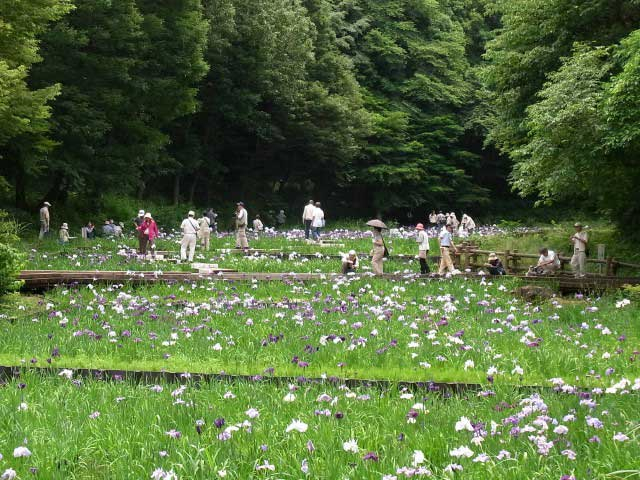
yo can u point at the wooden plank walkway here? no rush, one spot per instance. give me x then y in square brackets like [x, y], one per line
[43, 279]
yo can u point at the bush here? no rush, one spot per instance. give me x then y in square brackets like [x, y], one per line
[11, 260]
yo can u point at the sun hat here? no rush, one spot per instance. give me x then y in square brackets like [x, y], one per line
[577, 224]
[419, 226]
[65, 226]
[147, 215]
[192, 213]
[47, 204]
[352, 252]
[493, 256]
[140, 213]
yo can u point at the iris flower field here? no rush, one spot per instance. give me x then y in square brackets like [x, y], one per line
[354, 378]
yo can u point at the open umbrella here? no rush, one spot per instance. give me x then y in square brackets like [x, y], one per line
[377, 223]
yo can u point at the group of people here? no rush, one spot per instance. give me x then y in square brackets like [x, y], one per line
[313, 220]
[549, 262]
[465, 226]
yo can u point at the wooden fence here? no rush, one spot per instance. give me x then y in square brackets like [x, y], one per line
[468, 256]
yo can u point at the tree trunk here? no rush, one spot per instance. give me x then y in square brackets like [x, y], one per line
[192, 189]
[176, 190]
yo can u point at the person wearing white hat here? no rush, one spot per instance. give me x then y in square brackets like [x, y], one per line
[423, 248]
[204, 232]
[350, 262]
[580, 241]
[44, 220]
[139, 220]
[242, 219]
[494, 265]
[189, 229]
[63, 234]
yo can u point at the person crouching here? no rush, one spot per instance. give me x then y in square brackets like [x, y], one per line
[350, 262]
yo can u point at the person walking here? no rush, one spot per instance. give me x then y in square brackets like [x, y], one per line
[446, 244]
[318, 221]
[307, 218]
[44, 220]
[63, 234]
[212, 216]
[423, 248]
[580, 241]
[204, 231]
[189, 228]
[378, 251]
[242, 218]
[148, 231]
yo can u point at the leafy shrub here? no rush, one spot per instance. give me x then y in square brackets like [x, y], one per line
[11, 260]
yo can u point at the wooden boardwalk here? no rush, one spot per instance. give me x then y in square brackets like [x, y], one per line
[44, 279]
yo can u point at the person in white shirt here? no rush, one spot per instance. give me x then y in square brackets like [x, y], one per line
[580, 241]
[44, 220]
[446, 244]
[318, 221]
[307, 218]
[258, 226]
[548, 263]
[468, 224]
[423, 248]
[189, 229]
[204, 231]
[433, 218]
[242, 219]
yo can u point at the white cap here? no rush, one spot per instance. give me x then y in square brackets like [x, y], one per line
[65, 226]
[192, 213]
[140, 213]
[47, 204]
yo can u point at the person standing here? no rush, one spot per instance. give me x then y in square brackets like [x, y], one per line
[446, 244]
[281, 219]
[189, 228]
[307, 218]
[580, 241]
[258, 226]
[377, 252]
[63, 234]
[148, 231]
[212, 216]
[44, 220]
[423, 248]
[204, 231]
[242, 218]
[441, 220]
[139, 220]
[433, 218]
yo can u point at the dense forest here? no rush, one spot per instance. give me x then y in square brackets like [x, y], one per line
[386, 106]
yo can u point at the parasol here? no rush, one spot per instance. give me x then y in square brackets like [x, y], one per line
[377, 223]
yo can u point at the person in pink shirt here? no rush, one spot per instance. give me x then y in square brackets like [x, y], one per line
[148, 233]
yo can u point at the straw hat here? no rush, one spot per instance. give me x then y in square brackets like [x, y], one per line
[419, 226]
[65, 226]
[147, 215]
[47, 204]
[493, 256]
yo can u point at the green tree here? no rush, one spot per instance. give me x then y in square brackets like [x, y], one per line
[24, 112]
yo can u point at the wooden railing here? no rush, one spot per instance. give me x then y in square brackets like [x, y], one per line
[468, 256]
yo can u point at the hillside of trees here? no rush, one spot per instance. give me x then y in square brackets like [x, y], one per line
[373, 106]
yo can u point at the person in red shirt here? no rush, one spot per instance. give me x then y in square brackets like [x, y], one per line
[148, 233]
